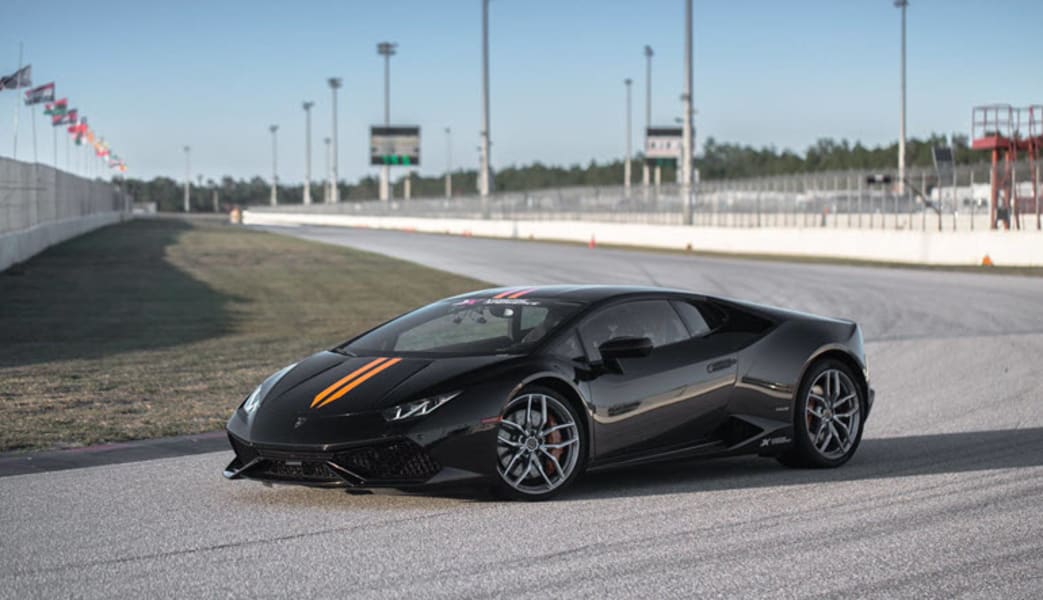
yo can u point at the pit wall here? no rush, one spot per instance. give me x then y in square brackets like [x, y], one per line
[1003, 248]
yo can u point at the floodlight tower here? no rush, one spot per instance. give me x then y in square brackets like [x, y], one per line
[646, 171]
[902, 4]
[307, 150]
[188, 178]
[626, 165]
[448, 162]
[327, 189]
[485, 182]
[335, 83]
[387, 50]
[687, 144]
[275, 165]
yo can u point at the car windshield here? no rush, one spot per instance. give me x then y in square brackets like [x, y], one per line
[467, 327]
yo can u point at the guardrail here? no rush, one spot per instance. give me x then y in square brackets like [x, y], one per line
[841, 199]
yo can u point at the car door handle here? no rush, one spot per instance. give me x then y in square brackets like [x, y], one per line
[721, 365]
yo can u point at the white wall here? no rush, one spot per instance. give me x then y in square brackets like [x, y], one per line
[18, 246]
[1005, 248]
[41, 206]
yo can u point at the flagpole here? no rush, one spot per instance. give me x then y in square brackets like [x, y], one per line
[54, 145]
[32, 117]
[17, 105]
[68, 167]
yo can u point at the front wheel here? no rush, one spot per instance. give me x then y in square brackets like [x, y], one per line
[829, 417]
[540, 447]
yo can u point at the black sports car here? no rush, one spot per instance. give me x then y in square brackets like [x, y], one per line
[525, 388]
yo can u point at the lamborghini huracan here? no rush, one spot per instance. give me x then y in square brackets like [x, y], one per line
[523, 389]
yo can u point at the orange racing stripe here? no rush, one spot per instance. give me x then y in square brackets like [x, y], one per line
[347, 378]
[505, 294]
[521, 293]
[354, 384]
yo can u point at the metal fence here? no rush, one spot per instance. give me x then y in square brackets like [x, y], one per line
[34, 194]
[845, 199]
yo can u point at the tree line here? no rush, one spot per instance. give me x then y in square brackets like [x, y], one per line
[719, 160]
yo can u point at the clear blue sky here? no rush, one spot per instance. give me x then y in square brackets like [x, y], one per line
[154, 76]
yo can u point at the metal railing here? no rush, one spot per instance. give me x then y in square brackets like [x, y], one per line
[956, 200]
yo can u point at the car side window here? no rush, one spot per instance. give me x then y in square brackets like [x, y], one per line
[693, 318]
[569, 347]
[654, 319]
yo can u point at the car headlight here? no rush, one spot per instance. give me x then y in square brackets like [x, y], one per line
[254, 399]
[418, 408]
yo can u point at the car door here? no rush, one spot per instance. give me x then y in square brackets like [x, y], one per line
[672, 398]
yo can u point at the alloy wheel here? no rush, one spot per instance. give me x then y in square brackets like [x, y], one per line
[538, 444]
[832, 413]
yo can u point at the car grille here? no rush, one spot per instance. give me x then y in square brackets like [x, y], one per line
[401, 460]
[297, 470]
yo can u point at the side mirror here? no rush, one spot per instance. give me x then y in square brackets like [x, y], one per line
[625, 347]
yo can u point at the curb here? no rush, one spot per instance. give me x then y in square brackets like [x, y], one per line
[107, 454]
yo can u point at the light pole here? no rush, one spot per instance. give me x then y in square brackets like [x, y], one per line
[275, 165]
[448, 162]
[188, 177]
[902, 4]
[387, 50]
[485, 177]
[307, 151]
[335, 83]
[646, 171]
[327, 191]
[687, 137]
[626, 165]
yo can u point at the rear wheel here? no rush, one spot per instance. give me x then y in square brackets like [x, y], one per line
[540, 447]
[828, 418]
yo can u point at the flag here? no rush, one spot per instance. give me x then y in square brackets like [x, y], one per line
[19, 79]
[79, 130]
[64, 118]
[59, 107]
[44, 93]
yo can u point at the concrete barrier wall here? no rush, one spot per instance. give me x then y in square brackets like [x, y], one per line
[18, 246]
[41, 206]
[1015, 248]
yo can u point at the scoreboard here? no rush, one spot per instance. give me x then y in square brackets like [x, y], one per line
[394, 145]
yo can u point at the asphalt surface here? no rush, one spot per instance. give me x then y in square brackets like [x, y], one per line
[943, 499]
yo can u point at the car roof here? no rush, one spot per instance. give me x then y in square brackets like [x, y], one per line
[577, 293]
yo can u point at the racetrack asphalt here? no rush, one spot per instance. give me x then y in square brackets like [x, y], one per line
[943, 499]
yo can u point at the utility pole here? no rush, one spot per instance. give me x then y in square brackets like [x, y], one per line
[646, 175]
[327, 191]
[626, 165]
[387, 50]
[902, 4]
[485, 183]
[448, 162]
[188, 177]
[307, 151]
[275, 165]
[687, 137]
[335, 83]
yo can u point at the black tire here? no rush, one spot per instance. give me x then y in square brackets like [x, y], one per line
[502, 488]
[804, 453]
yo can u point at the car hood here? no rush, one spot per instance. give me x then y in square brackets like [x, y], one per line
[331, 384]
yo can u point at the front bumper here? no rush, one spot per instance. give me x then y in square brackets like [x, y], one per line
[387, 463]
[424, 455]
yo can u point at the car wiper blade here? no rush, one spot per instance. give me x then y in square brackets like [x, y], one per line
[345, 352]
